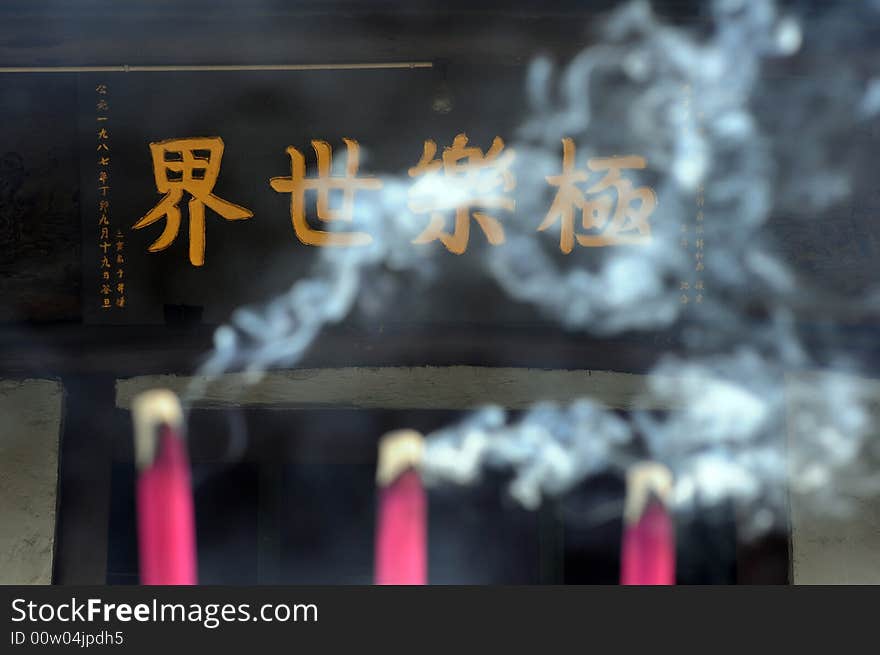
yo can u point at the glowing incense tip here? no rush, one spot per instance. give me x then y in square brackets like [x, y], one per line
[401, 521]
[399, 451]
[645, 481]
[648, 549]
[151, 410]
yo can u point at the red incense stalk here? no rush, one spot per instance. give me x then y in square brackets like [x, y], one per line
[166, 524]
[401, 531]
[648, 552]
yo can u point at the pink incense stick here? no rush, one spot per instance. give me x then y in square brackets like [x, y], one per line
[648, 551]
[401, 531]
[166, 524]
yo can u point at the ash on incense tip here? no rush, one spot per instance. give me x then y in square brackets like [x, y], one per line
[151, 410]
[646, 482]
[399, 451]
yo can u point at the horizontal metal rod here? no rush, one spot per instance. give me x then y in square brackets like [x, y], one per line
[125, 68]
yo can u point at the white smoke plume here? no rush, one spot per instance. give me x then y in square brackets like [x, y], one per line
[756, 145]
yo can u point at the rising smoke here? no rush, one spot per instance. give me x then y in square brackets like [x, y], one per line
[757, 142]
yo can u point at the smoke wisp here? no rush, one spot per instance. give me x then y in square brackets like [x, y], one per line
[756, 141]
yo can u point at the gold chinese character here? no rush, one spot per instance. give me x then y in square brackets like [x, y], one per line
[484, 181]
[102, 105]
[120, 302]
[297, 185]
[627, 224]
[190, 165]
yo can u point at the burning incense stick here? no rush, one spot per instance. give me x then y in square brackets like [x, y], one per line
[166, 527]
[648, 553]
[401, 541]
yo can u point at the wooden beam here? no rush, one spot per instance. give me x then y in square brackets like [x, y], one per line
[400, 387]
